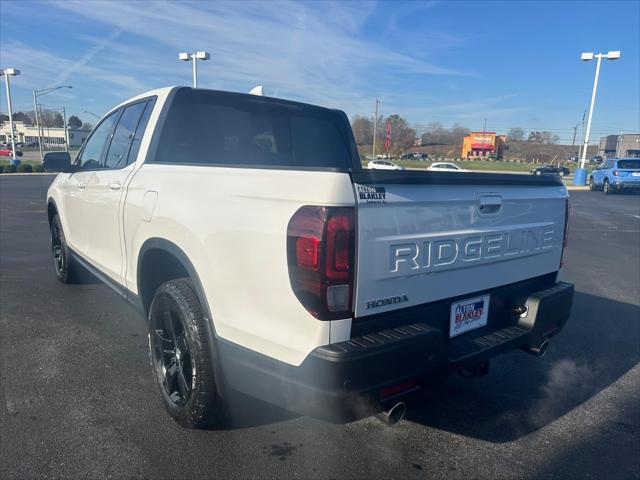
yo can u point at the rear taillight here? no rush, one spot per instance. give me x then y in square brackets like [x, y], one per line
[320, 253]
[566, 232]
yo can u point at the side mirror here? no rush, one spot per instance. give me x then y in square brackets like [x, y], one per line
[57, 162]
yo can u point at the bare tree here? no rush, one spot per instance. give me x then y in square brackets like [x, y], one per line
[362, 130]
[402, 136]
[516, 134]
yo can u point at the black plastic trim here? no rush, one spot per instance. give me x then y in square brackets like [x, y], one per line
[335, 381]
[416, 177]
[122, 291]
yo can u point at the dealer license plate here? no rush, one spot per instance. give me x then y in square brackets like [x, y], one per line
[468, 315]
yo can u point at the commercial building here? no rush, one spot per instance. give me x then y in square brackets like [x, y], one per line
[483, 144]
[620, 146]
[52, 136]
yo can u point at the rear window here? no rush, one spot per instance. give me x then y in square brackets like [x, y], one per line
[227, 129]
[629, 164]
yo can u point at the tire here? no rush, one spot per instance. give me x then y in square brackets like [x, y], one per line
[65, 268]
[179, 343]
[592, 185]
[606, 188]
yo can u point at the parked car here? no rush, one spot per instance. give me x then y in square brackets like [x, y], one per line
[285, 270]
[384, 165]
[7, 152]
[446, 167]
[615, 175]
[414, 156]
[550, 170]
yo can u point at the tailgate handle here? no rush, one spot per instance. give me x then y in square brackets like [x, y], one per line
[489, 204]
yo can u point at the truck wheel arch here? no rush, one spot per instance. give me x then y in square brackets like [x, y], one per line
[52, 209]
[171, 262]
[161, 260]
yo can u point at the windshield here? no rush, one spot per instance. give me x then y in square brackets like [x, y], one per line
[629, 164]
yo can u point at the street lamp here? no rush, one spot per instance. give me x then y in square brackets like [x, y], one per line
[39, 93]
[7, 72]
[94, 114]
[580, 177]
[194, 57]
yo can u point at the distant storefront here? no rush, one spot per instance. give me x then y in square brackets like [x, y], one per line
[483, 144]
[620, 146]
[52, 136]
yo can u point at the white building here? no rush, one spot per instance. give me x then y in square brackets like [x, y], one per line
[52, 136]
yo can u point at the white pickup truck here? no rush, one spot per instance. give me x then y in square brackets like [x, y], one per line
[267, 260]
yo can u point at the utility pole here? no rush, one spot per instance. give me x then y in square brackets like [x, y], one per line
[38, 126]
[66, 132]
[584, 116]
[375, 128]
[484, 134]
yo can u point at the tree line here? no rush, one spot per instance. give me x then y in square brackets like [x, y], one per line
[403, 136]
[48, 119]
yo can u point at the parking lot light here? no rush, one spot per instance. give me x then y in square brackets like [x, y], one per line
[194, 57]
[36, 94]
[7, 72]
[580, 176]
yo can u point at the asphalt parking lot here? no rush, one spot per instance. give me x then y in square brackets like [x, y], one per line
[77, 398]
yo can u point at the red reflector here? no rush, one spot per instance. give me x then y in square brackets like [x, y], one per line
[398, 388]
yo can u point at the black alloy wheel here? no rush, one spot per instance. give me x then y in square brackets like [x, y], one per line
[62, 262]
[182, 356]
[173, 362]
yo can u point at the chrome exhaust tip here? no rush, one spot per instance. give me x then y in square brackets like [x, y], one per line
[540, 350]
[393, 415]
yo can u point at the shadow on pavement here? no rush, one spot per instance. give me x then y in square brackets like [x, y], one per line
[522, 394]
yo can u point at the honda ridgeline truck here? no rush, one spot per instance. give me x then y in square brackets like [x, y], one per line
[267, 260]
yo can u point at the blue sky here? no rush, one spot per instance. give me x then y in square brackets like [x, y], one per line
[515, 63]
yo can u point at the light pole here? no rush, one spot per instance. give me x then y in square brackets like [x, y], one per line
[7, 72]
[580, 177]
[194, 57]
[36, 94]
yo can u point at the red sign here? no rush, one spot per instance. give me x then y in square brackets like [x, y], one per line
[387, 142]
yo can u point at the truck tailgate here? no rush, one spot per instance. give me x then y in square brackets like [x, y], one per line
[427, 236]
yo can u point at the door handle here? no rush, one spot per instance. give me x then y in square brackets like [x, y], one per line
[114, 186]
[489, 204]
[82, 186]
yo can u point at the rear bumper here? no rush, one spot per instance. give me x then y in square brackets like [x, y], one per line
[344, 380]
[629, 184]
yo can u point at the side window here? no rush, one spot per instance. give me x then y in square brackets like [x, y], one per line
[91, 156]
[118, 153]
[142, 127]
